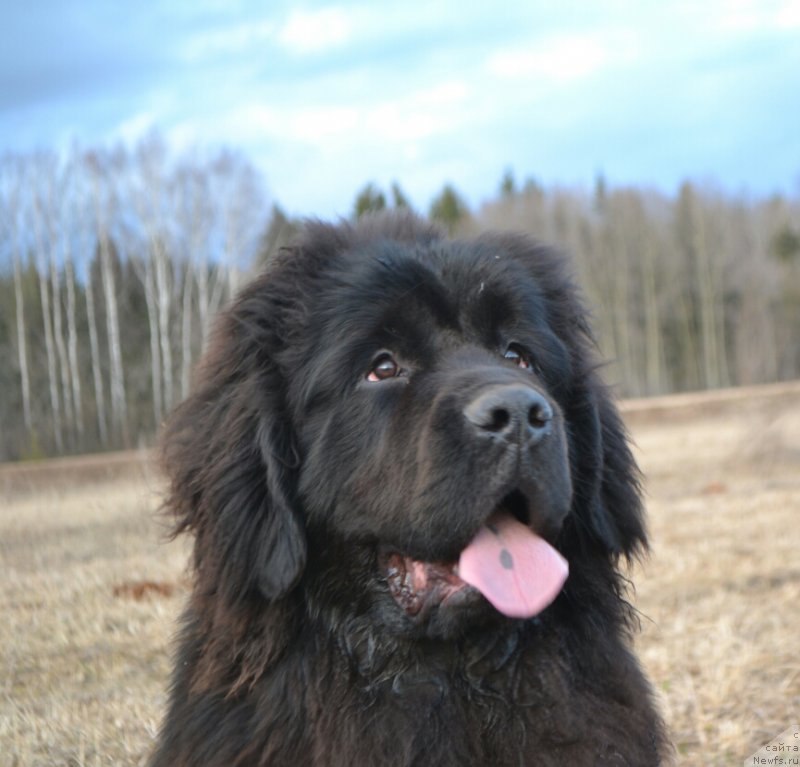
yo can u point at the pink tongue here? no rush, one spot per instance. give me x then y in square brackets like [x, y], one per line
[516, 570]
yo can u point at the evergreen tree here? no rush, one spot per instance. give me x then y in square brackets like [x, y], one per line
[399, 199]
[449, 208]
[369, 200]
[508, 187]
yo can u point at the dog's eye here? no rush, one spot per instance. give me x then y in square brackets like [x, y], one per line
[515, 355]
[385, 367]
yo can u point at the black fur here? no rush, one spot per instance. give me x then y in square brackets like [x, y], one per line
[295, 474]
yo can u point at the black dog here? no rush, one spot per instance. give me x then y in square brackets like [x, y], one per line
[397, 447]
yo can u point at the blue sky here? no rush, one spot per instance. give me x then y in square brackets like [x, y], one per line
[327, 96]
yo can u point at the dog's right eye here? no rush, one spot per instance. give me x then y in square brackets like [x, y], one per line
[385, 367]
[518, 357]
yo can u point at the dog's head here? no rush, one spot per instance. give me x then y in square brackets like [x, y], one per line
[386, 421]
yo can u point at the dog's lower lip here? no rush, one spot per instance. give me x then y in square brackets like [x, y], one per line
[418, 586]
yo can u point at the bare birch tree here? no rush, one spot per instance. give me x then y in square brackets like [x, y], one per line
[709, 285]
[22, 349]
[102, 202]
[94, 347]
[144, 270]
[40, 181]
[72, 340]
[61, 346]
[186, 328]
[150, 198]
[703, 305]
[12, 182]
[241, 204]
[83, 219]
[194, 212]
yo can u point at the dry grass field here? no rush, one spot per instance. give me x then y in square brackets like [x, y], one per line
[90, 590]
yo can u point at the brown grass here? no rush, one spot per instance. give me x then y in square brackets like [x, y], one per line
[721, 590]
[84, 641]
[90, 590]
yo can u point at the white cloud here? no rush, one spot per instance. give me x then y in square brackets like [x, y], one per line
[420, 114]
[316, 31]
[135, 127]
[450, 92]
[749, 16]
[788, 15]
[563, 58]
[315, 125]
[183, 136]
[232, 39]
[410, 117]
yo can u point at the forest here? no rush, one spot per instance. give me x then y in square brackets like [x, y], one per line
[113, 262]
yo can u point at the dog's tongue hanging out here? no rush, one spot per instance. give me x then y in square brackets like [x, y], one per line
[516, 570]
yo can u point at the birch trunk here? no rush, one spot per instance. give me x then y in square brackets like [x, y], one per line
[150, 192]
[711, 311]
[22, 349]
[221, 279]
[52, 374]
[707, 299]
[203, 301]
[152, 321]
[72, 340]
[621, 311]
[61, 347]
[97, 375]
[652, 323]
[119, 414]
[186, 331]
[15, 183]
[42, 260]
[118, 404]
[164, 306]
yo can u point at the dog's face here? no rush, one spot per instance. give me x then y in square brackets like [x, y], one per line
[427, 405]
[418, 409]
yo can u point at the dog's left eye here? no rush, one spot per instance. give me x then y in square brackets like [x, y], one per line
[517, 356]
[384, 367]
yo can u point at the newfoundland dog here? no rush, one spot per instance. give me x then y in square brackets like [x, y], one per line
[410, 496]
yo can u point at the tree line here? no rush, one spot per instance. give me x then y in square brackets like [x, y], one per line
[696, 291]
[113, 262]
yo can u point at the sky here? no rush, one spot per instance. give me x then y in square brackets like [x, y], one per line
[324, 97]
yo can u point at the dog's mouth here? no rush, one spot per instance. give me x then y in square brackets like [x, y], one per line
[515, 569]
[419, 586]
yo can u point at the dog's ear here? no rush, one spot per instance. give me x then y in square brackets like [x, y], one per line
[229, 455]
[607, 481]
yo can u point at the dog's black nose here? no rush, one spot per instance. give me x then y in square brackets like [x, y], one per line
[511, 412]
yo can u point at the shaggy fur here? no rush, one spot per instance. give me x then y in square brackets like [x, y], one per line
[299, 472]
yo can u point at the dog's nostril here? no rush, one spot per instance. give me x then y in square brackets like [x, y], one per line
[498, 419]
[540, 415]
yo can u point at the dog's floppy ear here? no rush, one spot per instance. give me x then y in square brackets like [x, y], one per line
[228, 452]
[607, 482]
